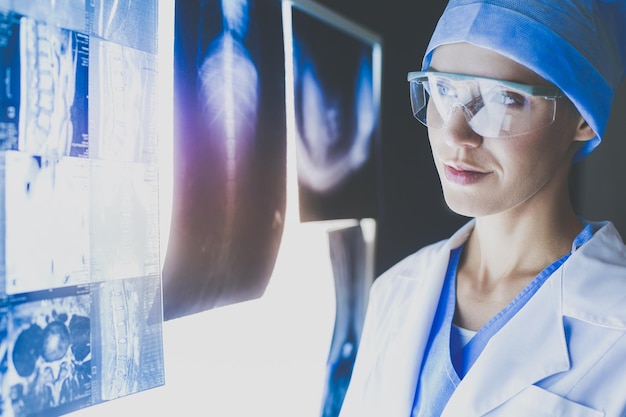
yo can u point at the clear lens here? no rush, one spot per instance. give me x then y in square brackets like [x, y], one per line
[492, 108]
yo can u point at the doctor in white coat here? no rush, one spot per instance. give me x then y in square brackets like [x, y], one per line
[522, 312]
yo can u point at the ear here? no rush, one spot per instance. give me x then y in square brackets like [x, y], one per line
[584, 132]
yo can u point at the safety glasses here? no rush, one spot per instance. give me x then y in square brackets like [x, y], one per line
[492, 108]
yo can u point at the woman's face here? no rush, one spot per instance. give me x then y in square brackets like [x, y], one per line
[482, 176]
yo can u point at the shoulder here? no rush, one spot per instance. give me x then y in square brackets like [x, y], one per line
[396, 286]
[406, 267]
[429, 259]
[410, 267]
[595, 280]
[439, 250]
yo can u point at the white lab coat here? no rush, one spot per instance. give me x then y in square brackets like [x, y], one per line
[562, 354]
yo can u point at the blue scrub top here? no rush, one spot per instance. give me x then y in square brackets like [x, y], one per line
[447, 359]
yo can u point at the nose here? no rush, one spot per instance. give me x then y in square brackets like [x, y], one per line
[458, 132]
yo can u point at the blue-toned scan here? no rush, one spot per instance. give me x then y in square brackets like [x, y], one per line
[80, 288]
[123, 228]
[47, 363]
[129, 23]
[10, 88]
[44, 97]
[336, 119]
[122, 103]
[229, 168]
[46, 202]
[69, 14]
[348, 258]
[127, 322]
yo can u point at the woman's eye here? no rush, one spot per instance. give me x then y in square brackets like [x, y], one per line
[510, 98]
[445, 90]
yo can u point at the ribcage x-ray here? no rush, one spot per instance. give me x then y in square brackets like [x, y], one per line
[229, 154]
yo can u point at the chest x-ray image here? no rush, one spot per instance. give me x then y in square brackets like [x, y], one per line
[336, 110]
[229, 168]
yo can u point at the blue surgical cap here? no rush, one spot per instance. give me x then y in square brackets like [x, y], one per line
[578, 45]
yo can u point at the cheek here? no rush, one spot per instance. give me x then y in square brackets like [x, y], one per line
[437, 154]
[543, 153]
[436, 144]
[532, 162]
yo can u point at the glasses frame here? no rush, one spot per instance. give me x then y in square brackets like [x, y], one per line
[545, 91]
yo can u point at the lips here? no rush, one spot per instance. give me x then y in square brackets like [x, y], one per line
[463, 174]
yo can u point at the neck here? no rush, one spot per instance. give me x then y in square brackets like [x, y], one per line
[507, 250]
[500, 246]
[524, 239]
[502, 255]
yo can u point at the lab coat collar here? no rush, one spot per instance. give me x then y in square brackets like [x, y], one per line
[401, 358]
[525, 353]
[596, 286]
[519, 355]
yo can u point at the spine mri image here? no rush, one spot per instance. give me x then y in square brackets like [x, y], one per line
[80, 285]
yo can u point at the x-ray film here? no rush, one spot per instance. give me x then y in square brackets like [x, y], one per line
[52, 66]
[122, 103]
[127, 322]
[72, 347]
[336, 99]
[127, 22]
[47, 352]
[10, 88]
[123, 220]
[80, 285]
[69, 14]
[229, 168]
[348, 254]
[336, 89]
[46, 202]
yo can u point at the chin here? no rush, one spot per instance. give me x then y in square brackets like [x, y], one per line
[468, 206]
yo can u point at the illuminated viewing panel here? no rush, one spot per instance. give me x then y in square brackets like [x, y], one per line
[145, 180]
[80, 284]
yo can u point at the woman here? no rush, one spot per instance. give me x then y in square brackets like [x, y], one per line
[522, 312]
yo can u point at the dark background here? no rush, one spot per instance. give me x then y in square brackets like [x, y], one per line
[412, 211]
